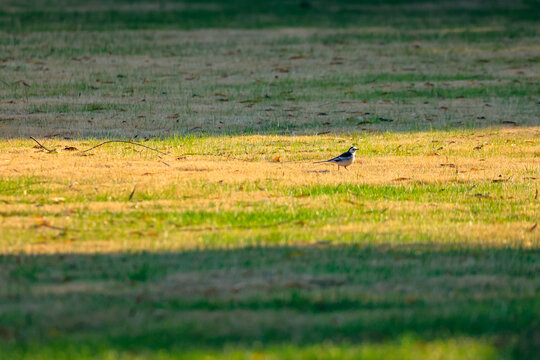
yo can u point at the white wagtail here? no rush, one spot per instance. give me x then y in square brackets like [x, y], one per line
[345, 159]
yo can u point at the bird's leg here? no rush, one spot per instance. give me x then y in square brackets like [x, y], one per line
[346, 168]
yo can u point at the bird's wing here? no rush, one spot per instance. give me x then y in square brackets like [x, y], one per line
[345, 155]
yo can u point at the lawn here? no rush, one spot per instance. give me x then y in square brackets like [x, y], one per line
[220, 238]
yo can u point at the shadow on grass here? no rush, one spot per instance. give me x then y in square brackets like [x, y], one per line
[490, 29]
[114, 15]
[378, 297]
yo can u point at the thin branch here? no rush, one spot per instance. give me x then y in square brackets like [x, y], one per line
[22, 82]
[230, 227]
[122, 141]
[54, 227]
[106, 142]
[48, 150]
[132, 192]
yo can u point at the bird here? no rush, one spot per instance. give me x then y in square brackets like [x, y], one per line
[345, 159]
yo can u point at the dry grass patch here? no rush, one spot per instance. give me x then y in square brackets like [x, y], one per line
[477, 187]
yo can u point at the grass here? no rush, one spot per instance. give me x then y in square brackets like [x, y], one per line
[62, 15]
[262, 82]
[235, 245]
[404, 349]
[440, 258]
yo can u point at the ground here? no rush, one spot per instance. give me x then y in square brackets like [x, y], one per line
[222, 238]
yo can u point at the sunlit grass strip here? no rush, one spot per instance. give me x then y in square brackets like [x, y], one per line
[405, 348]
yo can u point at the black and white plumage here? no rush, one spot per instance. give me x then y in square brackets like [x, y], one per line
[345, 159]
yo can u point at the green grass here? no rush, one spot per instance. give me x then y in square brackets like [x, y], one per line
[456, 74]
[407, 348]
[59, 15]
[427, 294]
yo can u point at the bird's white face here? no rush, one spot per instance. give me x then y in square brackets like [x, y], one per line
[353, 149]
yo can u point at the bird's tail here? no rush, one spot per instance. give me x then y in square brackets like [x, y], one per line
[325, 161]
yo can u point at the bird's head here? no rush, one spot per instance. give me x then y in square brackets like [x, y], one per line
[353, 149]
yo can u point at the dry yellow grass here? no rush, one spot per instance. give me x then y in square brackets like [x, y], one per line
[90, 192]
[482, 155]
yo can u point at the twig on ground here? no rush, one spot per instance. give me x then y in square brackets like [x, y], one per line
[49, 150]
[22, 82]
[103, 143]
[230, 227]
[44, 223]
[122, 141]
[54, 227]
[132, 192]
